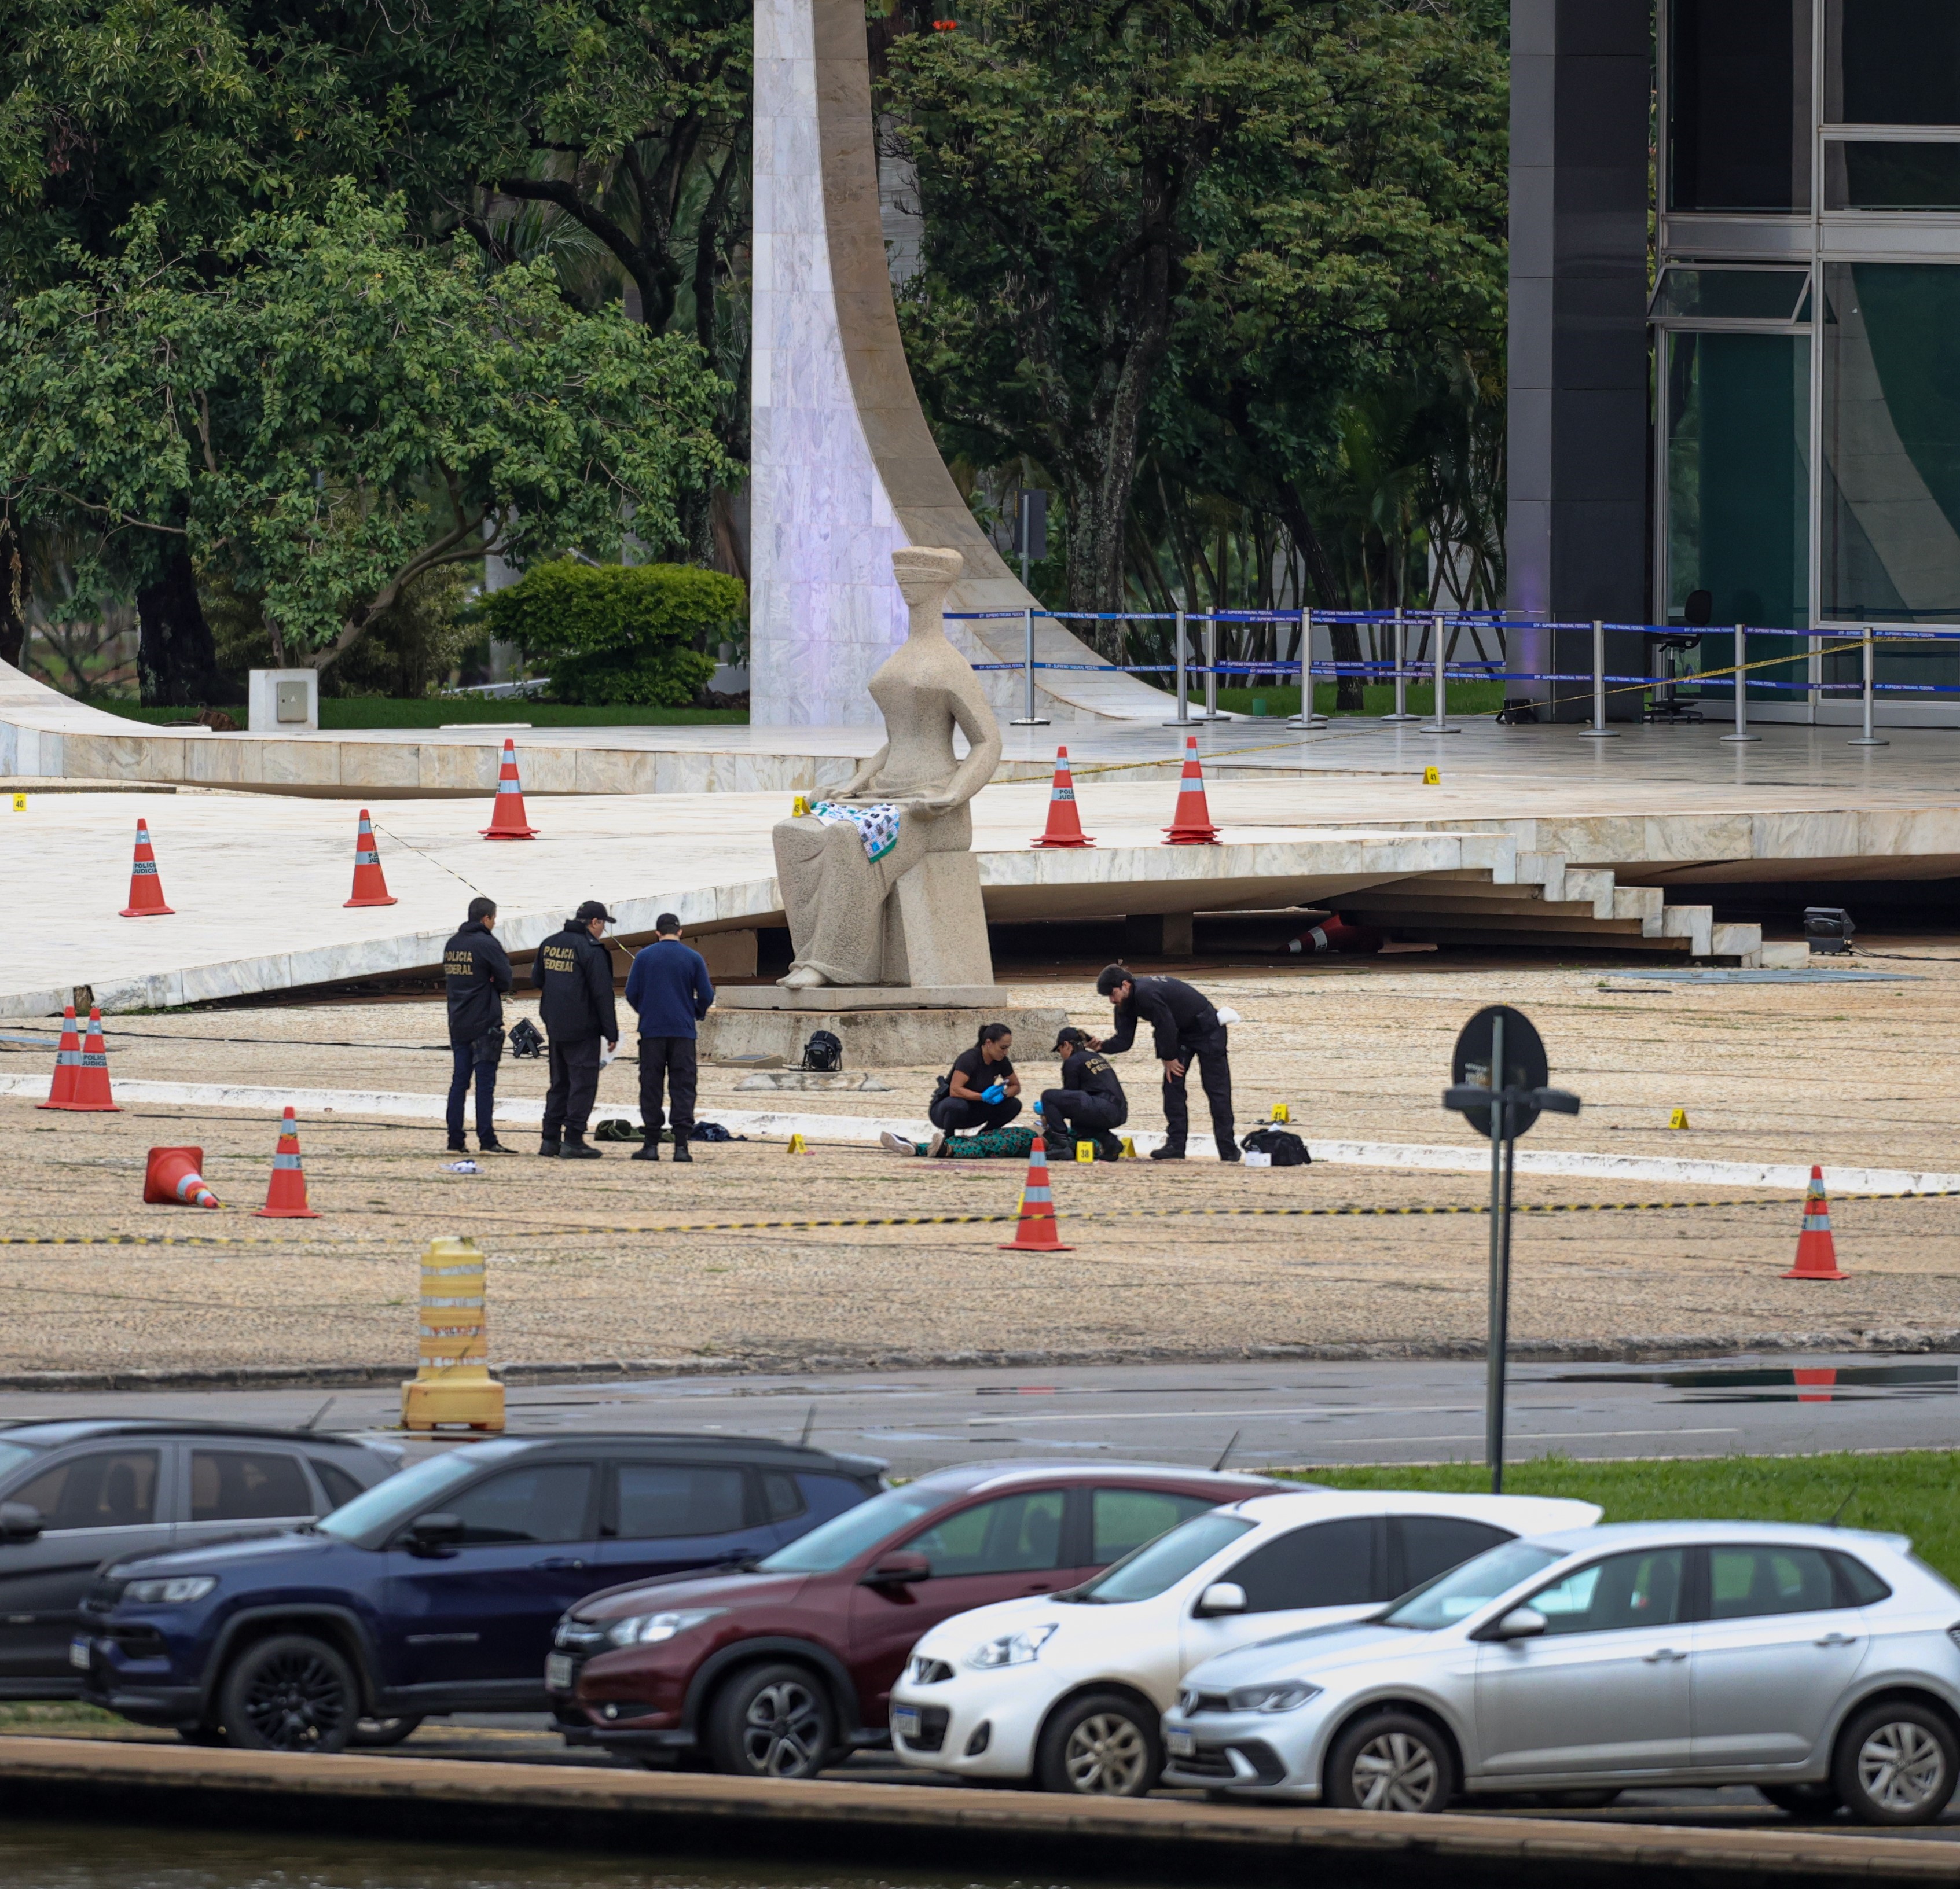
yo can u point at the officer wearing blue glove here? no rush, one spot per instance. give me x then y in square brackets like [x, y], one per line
[982, 1092]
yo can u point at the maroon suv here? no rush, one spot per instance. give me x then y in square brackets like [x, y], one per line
[779, 1669]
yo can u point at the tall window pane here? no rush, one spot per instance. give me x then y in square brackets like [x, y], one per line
[1738, 104]
[1892, 460]
[1892, 62]
[1738, 484]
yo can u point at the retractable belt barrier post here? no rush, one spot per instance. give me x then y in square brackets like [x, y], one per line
[1599, 731]
[1742, 733]
[1029, 718]
[1308, 717]
[1402, 713]
[1867, 738]
[1211, 668]
[1440, 725]
[1183, 679]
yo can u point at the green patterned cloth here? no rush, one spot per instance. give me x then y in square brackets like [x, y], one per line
[996, 1144]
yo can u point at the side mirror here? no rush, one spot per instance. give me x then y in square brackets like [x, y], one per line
[434, 1533]
[898, 1570]
[1221, 1597]
[19, 1521]
[1521, 1623]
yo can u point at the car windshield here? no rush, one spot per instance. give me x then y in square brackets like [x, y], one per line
[843, 1538]
[1455, 1596]
[413, 1492]
[1145, 1572]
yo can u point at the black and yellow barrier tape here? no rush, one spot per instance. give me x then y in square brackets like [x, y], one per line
[991, 1219]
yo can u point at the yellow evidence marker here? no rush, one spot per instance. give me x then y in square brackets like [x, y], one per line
[1678, 1118]
[1432, 777]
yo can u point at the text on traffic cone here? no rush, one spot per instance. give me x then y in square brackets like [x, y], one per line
[1037, 1231]
[507, 819]
[91, 1094]
[175, 1178]
[1192, 826]
[370, 887]
[286, 1196]
[1064, 822]
[1816, 1251]
[146, 889]
[67, 1065]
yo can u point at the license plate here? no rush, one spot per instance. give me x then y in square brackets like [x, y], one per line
[559, 1673]
[1181, 1744]
[77, 1652]
[905, 1722]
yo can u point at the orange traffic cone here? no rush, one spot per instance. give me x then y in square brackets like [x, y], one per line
[285, 1198]
[146, 890]
[1037, 1231]
[173, 1179]
[1064, 823]
[370, 888]
[67, 1065]
[1193, 826]
[506, 817]
[1816, 1253]
[1819, 1382]
[91, 1094]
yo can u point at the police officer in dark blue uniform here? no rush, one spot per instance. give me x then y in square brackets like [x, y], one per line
[475, 976]
[1184, 1028]
[575, 972]
[1090, 1101]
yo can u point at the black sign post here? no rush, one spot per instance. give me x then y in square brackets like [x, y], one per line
[1497, 1083]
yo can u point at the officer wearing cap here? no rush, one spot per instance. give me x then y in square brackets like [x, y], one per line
[575, 972]
[1090, 1101]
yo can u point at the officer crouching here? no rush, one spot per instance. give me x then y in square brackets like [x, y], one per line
[575, 972]
[1090, 1101]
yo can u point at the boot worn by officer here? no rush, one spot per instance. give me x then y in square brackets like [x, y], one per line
[577, 1148]
[682, 1152]
[493, 1146]
[549, 1147]
[648, 1150]
[1170, 1151]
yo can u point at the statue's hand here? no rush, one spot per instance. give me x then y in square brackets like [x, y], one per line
[935, 803]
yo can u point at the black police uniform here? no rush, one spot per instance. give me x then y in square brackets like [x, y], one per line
[961, 1114]
[575, 972]
[1185, 1024]
[476, 975]
[1088, 1105]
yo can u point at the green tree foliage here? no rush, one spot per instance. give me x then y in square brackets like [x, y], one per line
[331, 413]
[616, 633]
[1189, 230]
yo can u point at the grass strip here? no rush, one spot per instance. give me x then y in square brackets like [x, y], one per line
[1904, 1492]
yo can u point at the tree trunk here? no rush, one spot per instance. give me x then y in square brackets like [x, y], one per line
[13, 596]
[175, 656]
[1345, 640]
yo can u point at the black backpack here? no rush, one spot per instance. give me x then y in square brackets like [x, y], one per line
[525, 1040]
[1287, 1149]
[823, 1052]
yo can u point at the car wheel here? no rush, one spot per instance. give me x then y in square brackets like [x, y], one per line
[772, 1721]
[289, 1693]
[1103, 1745]
[1391, 1761]
[1895, 1765]
[1804, 1800]
[374, 1732]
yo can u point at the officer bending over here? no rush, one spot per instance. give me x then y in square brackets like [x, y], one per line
[1090, 1101]
[574, 971]
[476, 975]
[1186, 1026]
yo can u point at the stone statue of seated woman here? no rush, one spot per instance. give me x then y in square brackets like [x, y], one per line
[837, 866]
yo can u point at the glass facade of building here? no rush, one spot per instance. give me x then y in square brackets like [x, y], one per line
[1806, 313]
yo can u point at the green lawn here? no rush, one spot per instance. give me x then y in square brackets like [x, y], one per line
[1463, 698]
[374, 711]
[1910, 1493]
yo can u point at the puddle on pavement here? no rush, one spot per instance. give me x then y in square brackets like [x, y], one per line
[1791, 1384]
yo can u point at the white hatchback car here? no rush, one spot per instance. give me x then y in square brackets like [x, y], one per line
[1069, 1689]
[1819, 1665]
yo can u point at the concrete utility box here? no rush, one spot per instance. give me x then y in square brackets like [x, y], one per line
[284, 701]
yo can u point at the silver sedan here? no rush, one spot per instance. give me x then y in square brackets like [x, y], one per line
[1821, 1665]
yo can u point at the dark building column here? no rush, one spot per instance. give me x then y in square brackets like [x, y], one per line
[1581, 81]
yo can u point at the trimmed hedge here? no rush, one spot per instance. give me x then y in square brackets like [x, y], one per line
[618, 633]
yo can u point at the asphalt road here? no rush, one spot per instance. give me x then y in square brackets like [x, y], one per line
[1279, 1414]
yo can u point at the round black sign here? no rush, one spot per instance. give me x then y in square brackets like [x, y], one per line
[1524, 1065]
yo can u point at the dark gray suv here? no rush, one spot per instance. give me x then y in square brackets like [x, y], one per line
[75, 1494]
